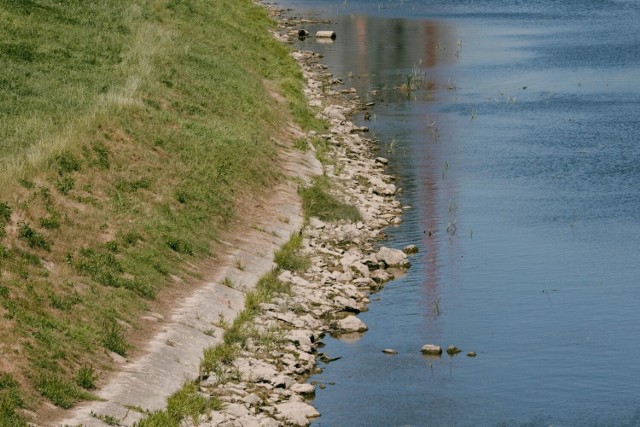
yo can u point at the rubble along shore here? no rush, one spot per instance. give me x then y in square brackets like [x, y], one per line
[265, 385]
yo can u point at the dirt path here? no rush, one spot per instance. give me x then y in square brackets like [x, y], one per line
[173, 354]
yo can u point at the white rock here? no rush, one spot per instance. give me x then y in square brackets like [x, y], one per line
[254, 370]
[297, 413]
[345, 277]
[269, 422]
[215, 419]
[252, 399]
[300, 337]
[236, 410]
[282, 381]
[351, 324]
[303, 388]
[392, 257]
[381, 276]
[310, 322]
[317, 224]
[346, 304]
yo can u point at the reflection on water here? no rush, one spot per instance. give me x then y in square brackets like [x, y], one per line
[513, 130]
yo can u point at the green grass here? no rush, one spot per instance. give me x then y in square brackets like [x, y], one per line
[186, 403]
[130, 131]
[10, 400]
[61, 392]
[318, 202]
[287, 257]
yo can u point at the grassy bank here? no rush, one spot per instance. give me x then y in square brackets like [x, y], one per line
[129, 131]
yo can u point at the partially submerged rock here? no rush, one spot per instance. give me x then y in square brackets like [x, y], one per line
[393, 257]
[431, 350]
[351, 324]
[410, 249]
[453, 350]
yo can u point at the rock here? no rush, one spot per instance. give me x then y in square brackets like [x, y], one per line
[378, 186]
[254, 370]
[345, 304]
[431, 349]
[236, 410]
[215, 419]
[381, 160]
[360, 269]
[452, 350]
[282, 381]
[345, 277]
[267, 422]
[351, 324]
[472, 354]
[300, 337]
[392, 257]
[252, 399]
[317, 224]
[303, 388]
[254, 421]
[116, 358]
[381, 276]
[411, 249]
[371, 264]
[389, 351]
[297, 413]
[335, 112]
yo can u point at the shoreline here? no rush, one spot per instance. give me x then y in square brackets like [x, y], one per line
[270, 387]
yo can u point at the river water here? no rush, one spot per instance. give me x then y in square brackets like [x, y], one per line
[516, 139]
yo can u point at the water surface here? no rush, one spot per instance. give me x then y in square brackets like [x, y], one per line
[518, 149]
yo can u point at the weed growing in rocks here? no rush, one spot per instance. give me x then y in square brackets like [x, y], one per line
[318, 202]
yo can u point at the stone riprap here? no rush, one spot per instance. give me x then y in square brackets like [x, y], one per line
[266, 384]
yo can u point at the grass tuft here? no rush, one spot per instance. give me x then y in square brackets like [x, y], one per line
[113, 337]
[86, 377]
[287, 257]
[59, 391]
[319, 203]
[186, 404]
[10, 401]
[33, 239]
